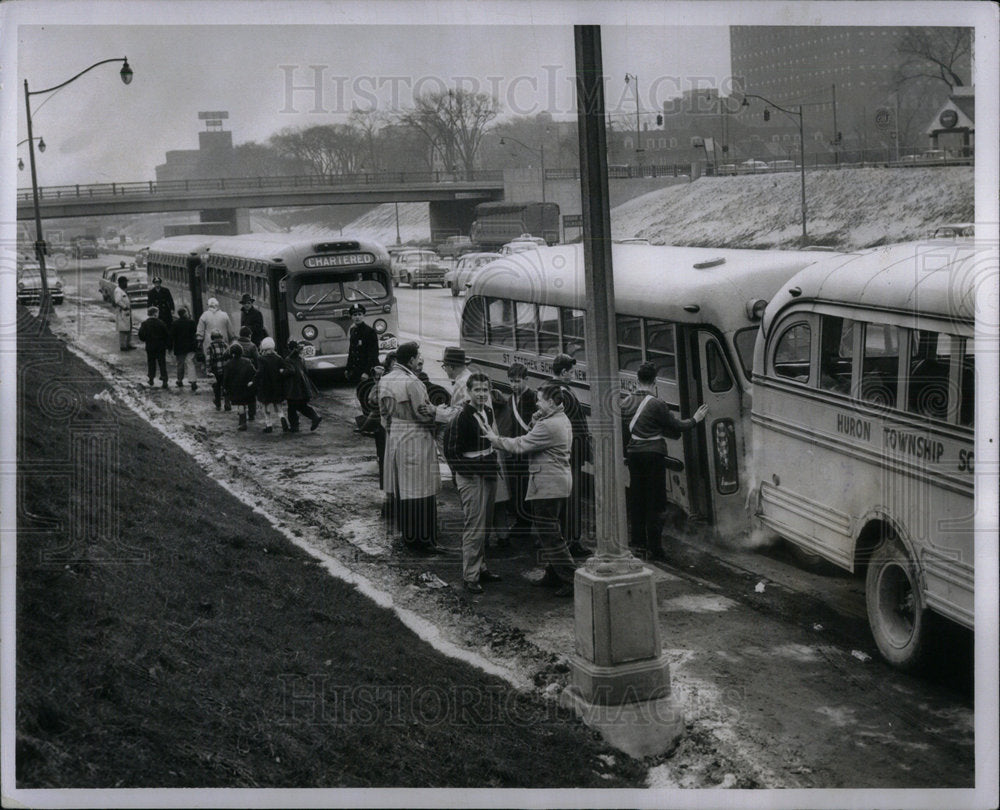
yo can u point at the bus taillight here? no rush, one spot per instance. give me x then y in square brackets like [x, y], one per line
[724, 446]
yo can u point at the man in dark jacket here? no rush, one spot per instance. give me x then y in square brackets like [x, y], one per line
[515, 420]
[298, 392]
[160, 298]
[363, 352]
[155, 335]
[182, 337]
[252, 317]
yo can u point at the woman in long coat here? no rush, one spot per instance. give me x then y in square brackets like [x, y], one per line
[411, 470]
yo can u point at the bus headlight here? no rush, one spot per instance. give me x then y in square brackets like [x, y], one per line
[380, 326]
[309, 332]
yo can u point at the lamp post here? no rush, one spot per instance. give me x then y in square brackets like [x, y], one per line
[802, 149]
[540, 151]
[397, 224]
[41, 148]
[126, 76]
[638, 134]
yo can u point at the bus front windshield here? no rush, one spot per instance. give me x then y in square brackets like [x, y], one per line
[367, 285]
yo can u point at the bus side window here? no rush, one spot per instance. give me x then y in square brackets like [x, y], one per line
[524, 329]
[548, 330]
[928, 374]
[474, 320]
[661, 348]
[880, 365]
[500, 317]
[629, 342]
[791, 353]
[836, 352]
[967, 406]
[574, 335]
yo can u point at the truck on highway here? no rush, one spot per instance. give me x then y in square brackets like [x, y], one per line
[497, 223]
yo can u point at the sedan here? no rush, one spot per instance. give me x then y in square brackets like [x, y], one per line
[29, 285]
[460, 278]
[415, 267]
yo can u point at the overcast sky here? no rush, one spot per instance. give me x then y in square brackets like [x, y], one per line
[260, 62]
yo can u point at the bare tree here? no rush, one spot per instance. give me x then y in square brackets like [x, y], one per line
[935, 55]
[327, 150]
[453, 122]
[369, 124]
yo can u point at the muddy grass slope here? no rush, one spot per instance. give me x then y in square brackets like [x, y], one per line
[168, 636]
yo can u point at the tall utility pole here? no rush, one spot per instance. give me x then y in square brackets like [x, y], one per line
[621, 677]
[836, 134]
[638, 133]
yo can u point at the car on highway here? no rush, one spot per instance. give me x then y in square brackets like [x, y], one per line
[85, 247]
[459, 278]
[416, 267]
[455, 246]
[782, 165]
[727, 169]
[138, 288]
[954, 230]
[752, 167]
[524, 242]
[29, 284]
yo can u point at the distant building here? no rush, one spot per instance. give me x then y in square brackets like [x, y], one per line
[843, 76]
[213, 158]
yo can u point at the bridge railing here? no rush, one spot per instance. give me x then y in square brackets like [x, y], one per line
[242, 184]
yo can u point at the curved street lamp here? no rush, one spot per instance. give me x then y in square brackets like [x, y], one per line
[126, 77]
[802, 149]
[41, 148]
[540, 151]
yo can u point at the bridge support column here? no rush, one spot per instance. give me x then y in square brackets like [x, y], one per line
[238, 219]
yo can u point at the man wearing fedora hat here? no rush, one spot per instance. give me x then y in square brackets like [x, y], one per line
[362, 353]
[252, 317]
[456, 366]
[161, 298]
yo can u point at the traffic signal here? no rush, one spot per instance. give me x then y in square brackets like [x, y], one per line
[767, 115]
[659, 120]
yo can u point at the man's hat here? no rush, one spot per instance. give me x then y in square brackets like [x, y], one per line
[454, 356]
[157, 280]
[246, 299]
[356, 308]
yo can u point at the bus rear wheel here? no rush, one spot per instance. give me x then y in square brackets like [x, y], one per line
[896, 610]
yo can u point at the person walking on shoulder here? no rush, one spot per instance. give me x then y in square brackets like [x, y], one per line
[546, 447]
[270, 387]
[362, 354]
[299, 389]
[215, 359]
[238, 380]
[476, 467]
[212, 320]
[647, 423]
[153, 332]
[253, 318]
[123, 315]
[161, 298]
[185, 343]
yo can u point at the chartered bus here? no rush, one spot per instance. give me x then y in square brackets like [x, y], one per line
[863, 380]
[303, 288]
[693, 312]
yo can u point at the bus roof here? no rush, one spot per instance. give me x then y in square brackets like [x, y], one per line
[689, 284]
[263, 246]
[928, 278]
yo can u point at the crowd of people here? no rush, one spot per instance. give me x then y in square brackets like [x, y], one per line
[245, 368]
[517, 459]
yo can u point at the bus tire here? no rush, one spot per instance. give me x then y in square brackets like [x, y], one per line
[897, 614]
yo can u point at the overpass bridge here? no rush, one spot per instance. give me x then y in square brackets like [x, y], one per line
[452, 197]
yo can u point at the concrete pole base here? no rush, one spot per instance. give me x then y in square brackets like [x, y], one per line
[647, 728]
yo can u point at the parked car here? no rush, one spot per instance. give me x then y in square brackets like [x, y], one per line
[524, 242]
[955, 230]
[455, 246]
[137, 289]
[460, 278]
[416, 266]
[752, 167]
[29, 284]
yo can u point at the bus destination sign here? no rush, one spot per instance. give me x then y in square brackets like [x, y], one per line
[339, 260]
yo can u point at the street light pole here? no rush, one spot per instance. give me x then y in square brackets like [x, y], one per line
[540, 150]
[126, 76]
[802, 150]
[638, 134]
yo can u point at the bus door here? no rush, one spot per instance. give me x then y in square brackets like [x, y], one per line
[278, 309]
[720, 438]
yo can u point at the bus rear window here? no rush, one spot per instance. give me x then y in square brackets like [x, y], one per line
[474, 320]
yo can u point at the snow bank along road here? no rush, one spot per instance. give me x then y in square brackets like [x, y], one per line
[778, 689]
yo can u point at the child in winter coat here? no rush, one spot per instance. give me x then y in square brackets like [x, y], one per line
[238, 380]
[215, 359]
[270, 386]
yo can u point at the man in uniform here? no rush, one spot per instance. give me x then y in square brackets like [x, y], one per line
[362, 354]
